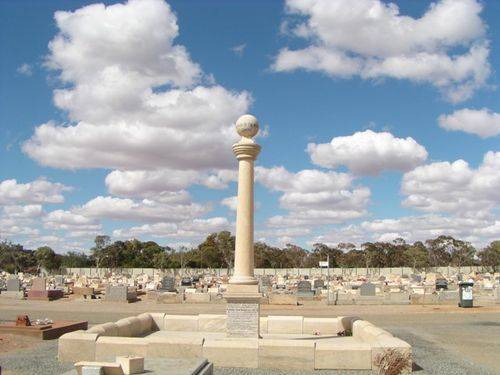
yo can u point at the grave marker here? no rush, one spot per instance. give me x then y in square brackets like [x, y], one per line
[367, 289]
[39, 283]
[13, 285]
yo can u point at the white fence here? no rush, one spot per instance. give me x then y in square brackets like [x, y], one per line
[273, 271]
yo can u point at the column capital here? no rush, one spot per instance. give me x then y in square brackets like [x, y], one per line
[246, 150]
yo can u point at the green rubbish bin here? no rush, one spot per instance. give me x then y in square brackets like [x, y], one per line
[466, 299]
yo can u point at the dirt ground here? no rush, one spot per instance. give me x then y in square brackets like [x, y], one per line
[9, 342]
[445, 339]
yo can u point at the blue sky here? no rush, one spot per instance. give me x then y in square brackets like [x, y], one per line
[312, 72]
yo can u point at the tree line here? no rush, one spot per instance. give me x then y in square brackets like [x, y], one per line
[217, 251]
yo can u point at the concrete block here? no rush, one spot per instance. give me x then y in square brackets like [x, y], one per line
[323, 326]
[77, 346]
[158, 321]
[187, 323]
[284, 324]
[369, 300]
[197, 298]
[110, 347]
[286, 354]
[105, 368]
[344, 353]
[175, 346]
[358, 327]
[146, 323]
[124, 328]
[135, 326]
[105, 329]
[263, 325]
[370, 333]
[232, 352]
[92, 370]
[12, 295]
[170, 297]
[131, 365]
[211, 323]
[282, 299]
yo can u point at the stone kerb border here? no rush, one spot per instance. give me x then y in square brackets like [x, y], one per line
[203, 335]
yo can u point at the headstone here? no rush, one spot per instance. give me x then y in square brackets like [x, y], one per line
[116, 293]
[168, 284]
[416, 278]
[264, 284]
[319, 283]
[304, 286]
[367, 289]
[59, 280]
[39, 283]
[441, 284]
[304, 290]
[13, 285]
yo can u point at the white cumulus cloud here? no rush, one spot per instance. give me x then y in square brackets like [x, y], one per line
[196, 229]
[140, 210]
[314, 197]
[415, 228]
[368, 153]
[38, 191]
[482, 122]
[372, 39]
[134, 97]
[454, 187]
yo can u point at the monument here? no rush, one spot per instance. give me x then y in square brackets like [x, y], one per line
[243, 297]
[241, 338]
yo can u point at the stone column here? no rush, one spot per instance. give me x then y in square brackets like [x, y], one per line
[246, 151]
[242, 296]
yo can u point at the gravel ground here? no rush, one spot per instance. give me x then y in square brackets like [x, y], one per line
[444, 340]
[39, 360]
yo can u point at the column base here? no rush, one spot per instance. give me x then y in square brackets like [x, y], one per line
[243, 280]
[243, 311]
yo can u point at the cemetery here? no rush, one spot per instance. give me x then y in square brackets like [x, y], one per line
[242, 337]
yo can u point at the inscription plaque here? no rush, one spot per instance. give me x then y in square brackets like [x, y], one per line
[242, 319]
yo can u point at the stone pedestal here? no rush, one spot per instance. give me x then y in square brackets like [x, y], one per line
[243, 311]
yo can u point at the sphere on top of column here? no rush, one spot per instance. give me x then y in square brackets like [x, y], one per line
[247, 126]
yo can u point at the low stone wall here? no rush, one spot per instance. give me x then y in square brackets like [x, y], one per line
[274, 271]
[289, 342]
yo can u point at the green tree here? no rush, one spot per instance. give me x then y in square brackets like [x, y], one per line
[354, 258]
[74, 259]
[440, 250]
[101, 241]
[375, 254]
[462, 254]
[490, 256]
[47, 258]
[416, 255]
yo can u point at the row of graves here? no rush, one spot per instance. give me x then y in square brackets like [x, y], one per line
[23, 286]
[418, 288]
[425, 288]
